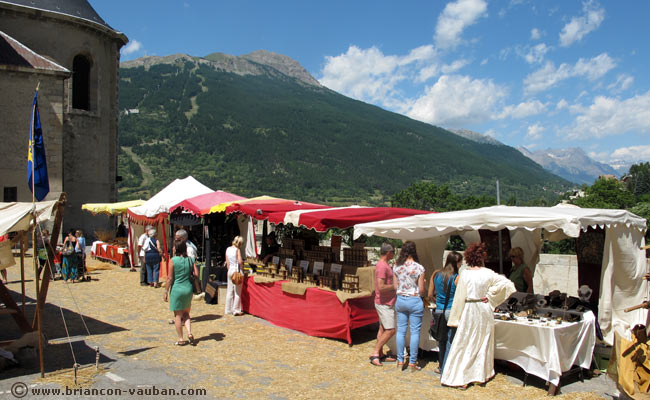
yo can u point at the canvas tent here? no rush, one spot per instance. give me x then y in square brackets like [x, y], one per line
[111, 208]
[155, 211]
[623, 262]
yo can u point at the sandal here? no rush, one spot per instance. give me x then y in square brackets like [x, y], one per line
[401, 365]
[375, 360]
[414, 367]
[388, 359]
[190, 338]
[180, 343]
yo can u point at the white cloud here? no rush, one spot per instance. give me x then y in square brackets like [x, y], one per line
[457, 16]
[580, 26]
[562, 104]
[632, 153]
[454, 66]
[131, 47]
[535, 34]
[457, 101]
[522, 110]
[549, 76]
[535, 54]
[623, 82]
[535, 132]
[608, 116]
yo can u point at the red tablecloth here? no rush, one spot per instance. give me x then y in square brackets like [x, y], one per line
[316, 313]
[110, 252]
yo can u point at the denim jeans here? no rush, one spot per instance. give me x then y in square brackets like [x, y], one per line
[443, 348]
[152, 272]
[410, 310]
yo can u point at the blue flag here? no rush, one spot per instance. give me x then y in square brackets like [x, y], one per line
[36, 156]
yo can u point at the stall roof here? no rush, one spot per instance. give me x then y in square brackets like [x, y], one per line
[15, 217]
[202, 204]
[340, 217]
[111, 208]
[261, 208]
[569, 220]
[157, 207]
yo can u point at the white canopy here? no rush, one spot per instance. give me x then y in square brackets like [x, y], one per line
[172, 194]
[16, 217]
[624, 264]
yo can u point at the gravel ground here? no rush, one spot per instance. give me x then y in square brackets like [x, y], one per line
[235, 357]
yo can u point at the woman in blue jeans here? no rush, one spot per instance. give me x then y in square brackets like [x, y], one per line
[442, 281]
[409, 285]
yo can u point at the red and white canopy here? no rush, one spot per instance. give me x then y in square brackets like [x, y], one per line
[202, 204]
[340, 217]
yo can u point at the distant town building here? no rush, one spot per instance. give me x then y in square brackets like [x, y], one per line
[607, 177]
[74, 54]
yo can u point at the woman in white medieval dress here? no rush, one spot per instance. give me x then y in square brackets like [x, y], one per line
[479, 291]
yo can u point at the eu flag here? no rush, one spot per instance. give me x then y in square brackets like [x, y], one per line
[36, 156]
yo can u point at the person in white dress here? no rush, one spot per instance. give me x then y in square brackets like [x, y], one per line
[234, 263]
[479, 291]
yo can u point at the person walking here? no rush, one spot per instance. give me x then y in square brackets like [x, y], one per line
[384, 303]
[479, 291]
[152, 258]
[80, 250]
[409, 285]
[179, 292]
[441, 292]
[234, 264]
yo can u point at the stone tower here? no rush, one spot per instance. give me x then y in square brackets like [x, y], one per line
[74, 54]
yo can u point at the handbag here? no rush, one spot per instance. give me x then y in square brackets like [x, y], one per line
[438, 328]
[68, 250]
[237, 278]
[196, 285]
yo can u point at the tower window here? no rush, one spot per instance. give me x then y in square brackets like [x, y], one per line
[81, 83]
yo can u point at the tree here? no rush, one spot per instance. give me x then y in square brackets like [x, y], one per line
[639, 181]
[606, 193]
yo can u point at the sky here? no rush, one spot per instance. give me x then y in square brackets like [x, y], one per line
[537, 74]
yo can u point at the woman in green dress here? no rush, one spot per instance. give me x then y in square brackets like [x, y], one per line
[179, 291]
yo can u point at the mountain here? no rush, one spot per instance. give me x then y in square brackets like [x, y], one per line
[260, 124]
[571, 164]
[476, 137]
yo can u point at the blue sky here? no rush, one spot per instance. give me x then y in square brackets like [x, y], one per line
[538, 74]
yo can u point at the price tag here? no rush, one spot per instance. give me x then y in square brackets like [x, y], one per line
[304, 264]
[336, 268]
[275, 260]
[289, 264]
[318, 267]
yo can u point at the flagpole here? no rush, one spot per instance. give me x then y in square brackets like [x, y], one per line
[36, 273]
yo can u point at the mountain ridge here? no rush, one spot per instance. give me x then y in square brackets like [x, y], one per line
[240, 125]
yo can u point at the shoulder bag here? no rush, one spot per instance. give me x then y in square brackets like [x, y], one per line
[68, 250]
[196, 285]
[438, 329]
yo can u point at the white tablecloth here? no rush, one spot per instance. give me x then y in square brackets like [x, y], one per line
[546, 351]
[543, 351]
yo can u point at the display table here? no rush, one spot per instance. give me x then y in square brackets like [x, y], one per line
[316, 313]
[543, 351]
[110, 252]
[546, 351]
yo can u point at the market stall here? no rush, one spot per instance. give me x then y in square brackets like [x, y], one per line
[618, 263]
[155, 212]
[110, 246]
[310, 289]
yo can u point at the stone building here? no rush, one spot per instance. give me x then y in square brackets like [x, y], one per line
[74, 54]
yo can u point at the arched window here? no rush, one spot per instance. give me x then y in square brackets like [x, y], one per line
[81, 83]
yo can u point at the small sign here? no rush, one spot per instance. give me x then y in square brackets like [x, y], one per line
[318, 267]
[336, 268]
[304, 264]
[275, 260]
[288, 263]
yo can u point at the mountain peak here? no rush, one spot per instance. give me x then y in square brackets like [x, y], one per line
[475, 136]
[572, 164]
[282, 63]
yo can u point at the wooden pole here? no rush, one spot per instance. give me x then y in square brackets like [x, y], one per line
[22, 268]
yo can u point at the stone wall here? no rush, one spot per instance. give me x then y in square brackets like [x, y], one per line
[88, 139]
[16, 112]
